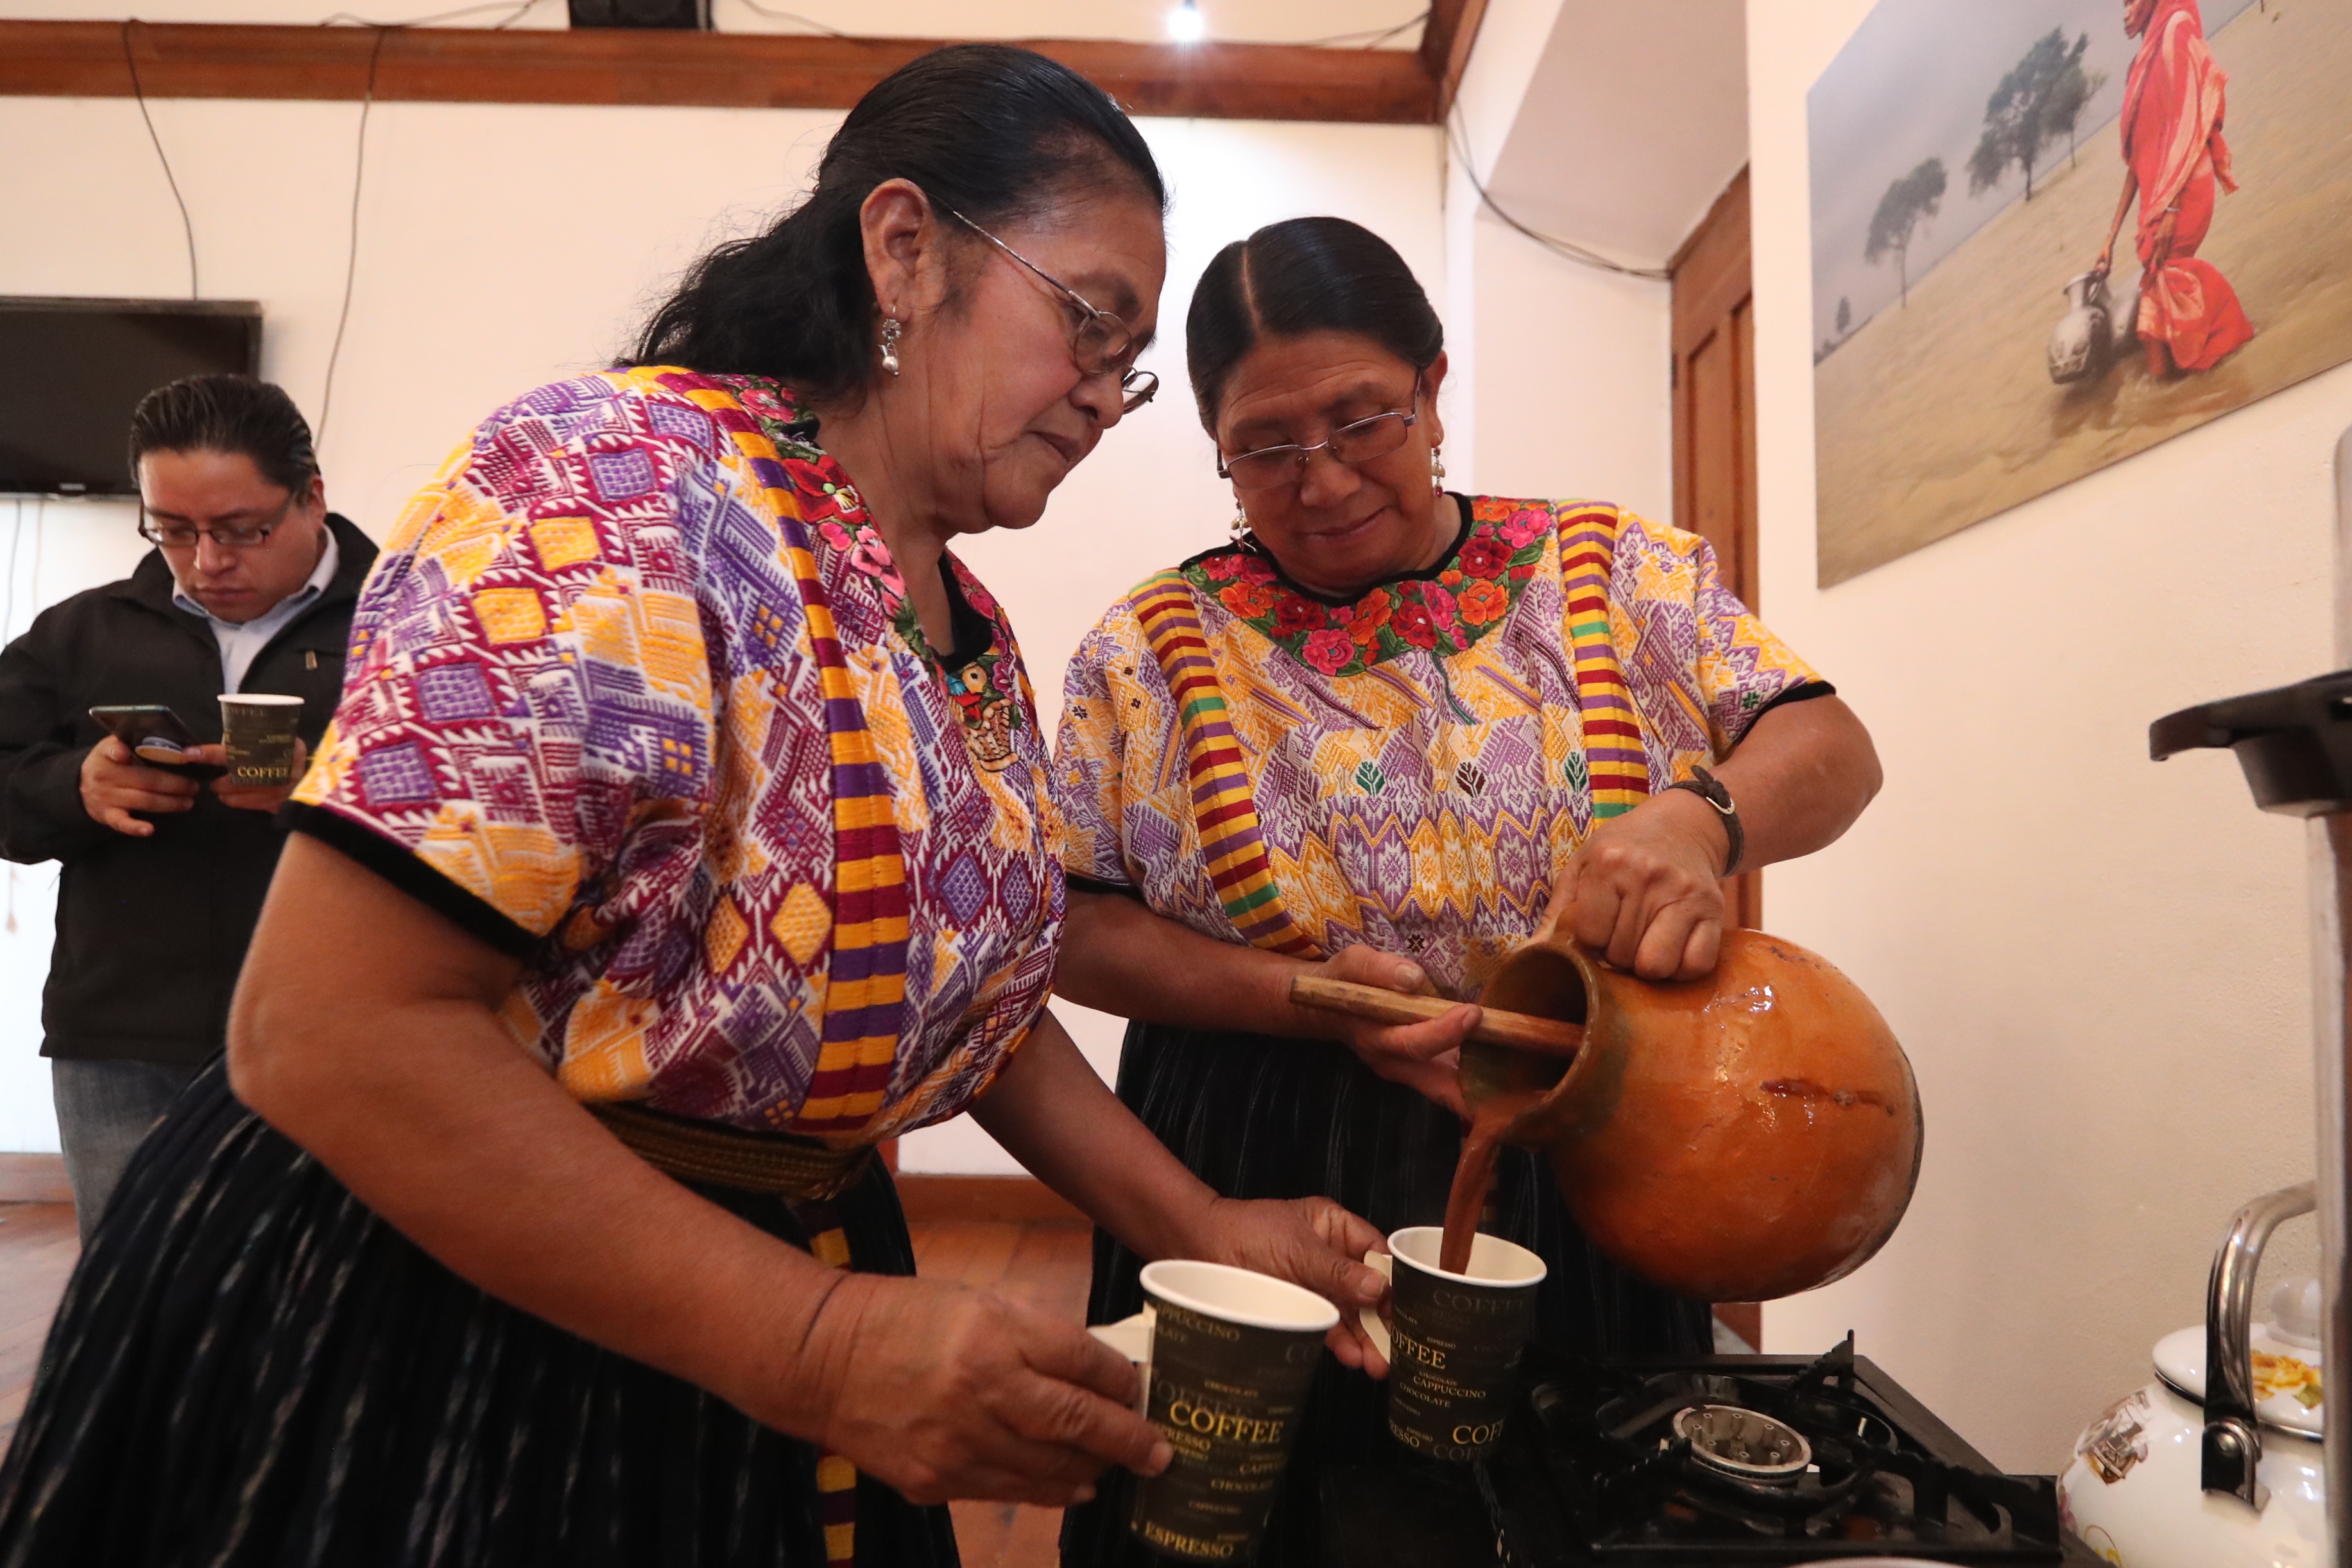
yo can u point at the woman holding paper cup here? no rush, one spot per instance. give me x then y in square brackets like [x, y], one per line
[651, 874]
[1382, 734]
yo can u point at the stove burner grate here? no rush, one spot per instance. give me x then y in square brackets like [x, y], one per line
[1620, 1455]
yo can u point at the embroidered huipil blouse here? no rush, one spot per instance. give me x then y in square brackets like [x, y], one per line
[638, 694]
[1407, 769]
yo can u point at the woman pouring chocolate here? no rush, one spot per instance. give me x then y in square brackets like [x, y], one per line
[1381, 736]
[655, 868]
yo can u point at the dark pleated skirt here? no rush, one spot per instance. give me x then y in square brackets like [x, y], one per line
[1255, 1116]
[250, 1368]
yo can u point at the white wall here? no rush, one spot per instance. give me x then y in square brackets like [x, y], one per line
[502, 246]
[1560, 371]
[2097, 964]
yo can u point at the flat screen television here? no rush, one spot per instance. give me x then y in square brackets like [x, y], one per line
[72, 369]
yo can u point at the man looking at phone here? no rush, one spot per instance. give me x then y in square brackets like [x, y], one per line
[249, 589]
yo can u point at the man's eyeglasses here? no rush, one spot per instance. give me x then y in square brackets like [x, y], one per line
[180, 536]
[1100, 343]
[1360, 441]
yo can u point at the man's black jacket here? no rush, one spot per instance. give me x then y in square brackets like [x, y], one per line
[150, 932]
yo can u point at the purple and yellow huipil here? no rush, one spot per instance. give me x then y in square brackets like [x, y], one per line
[636, 695]
[1410, 768]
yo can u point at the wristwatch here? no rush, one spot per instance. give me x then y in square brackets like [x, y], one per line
[1709, 788]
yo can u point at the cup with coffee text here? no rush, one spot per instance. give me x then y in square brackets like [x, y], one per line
[1454, 1342]
[1232, 1353]
[258, 731]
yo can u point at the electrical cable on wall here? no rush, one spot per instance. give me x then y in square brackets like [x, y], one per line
[351, 249]
[40, 529]
[516, 9]
[1375, 36]
[8, 611]
[138, 91]
[1566, 249]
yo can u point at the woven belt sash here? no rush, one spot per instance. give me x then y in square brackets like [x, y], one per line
[795, 1168]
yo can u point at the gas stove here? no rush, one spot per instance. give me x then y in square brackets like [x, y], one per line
[1704, 1461]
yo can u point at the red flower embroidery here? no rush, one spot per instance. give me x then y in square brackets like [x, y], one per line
[976, 596]
[1222, 567]
[1249, 600]
[834, 536]
[1484, 602]
[1482, 557]
[1412, 623]
[1296, 614]
[1523, 529]
[1330, 651]
[1439, 605]
[815, 488]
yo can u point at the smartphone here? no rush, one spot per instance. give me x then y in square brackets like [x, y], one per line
[156, 735]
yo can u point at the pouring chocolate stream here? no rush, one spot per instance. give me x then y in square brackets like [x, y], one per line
[1740, 1137]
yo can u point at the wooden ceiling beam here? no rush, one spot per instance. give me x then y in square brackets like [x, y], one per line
[1446, 39]
[726, 70]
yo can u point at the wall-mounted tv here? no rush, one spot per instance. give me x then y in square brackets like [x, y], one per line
[72, 369]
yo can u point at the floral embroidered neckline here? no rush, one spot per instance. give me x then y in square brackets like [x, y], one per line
[1443, 613]
[984, 685]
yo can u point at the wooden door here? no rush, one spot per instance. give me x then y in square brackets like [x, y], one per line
[1714, 381]
[1715, 461]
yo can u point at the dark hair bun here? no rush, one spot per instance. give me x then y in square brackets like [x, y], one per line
[1301, 276]
[991, 131]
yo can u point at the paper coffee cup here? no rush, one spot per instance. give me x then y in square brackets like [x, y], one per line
[1232, 1353]
[258, 732]
[1455, 1347]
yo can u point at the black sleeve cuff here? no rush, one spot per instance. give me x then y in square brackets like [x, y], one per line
[1802, 692]
[412, 876]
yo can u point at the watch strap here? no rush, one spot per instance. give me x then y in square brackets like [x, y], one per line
[1709, 788]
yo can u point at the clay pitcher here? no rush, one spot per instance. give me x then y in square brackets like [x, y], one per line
[1743, 1136]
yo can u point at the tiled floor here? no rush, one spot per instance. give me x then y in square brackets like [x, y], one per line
[1041, 1262]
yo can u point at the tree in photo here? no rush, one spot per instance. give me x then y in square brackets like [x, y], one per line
[1916, 196]
[2039, 100]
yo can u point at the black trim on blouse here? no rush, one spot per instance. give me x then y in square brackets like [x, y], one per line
[1250, 546]
[974, 634]
[412, 876]
[1802, 692]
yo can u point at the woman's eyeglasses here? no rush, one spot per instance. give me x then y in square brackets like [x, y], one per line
[180, 536]
[1100, 344]
[1360, 441]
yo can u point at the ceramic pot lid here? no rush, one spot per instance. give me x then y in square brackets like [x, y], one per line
[2287, 1385]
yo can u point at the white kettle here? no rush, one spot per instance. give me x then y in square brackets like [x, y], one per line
[2200, 1470]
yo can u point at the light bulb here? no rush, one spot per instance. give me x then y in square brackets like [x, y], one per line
[1184, 24]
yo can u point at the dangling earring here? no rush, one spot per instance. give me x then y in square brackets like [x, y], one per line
[1437, 470]
[1240, 522]
[890, 330]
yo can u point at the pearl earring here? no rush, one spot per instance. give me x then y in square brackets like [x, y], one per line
[890, 331]
[1437, 470]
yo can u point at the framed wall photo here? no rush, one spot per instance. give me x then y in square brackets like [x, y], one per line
[1978, 338]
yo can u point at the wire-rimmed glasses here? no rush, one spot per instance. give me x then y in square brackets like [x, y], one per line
[1100, 343]
[180, 536]
[1351, 444]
